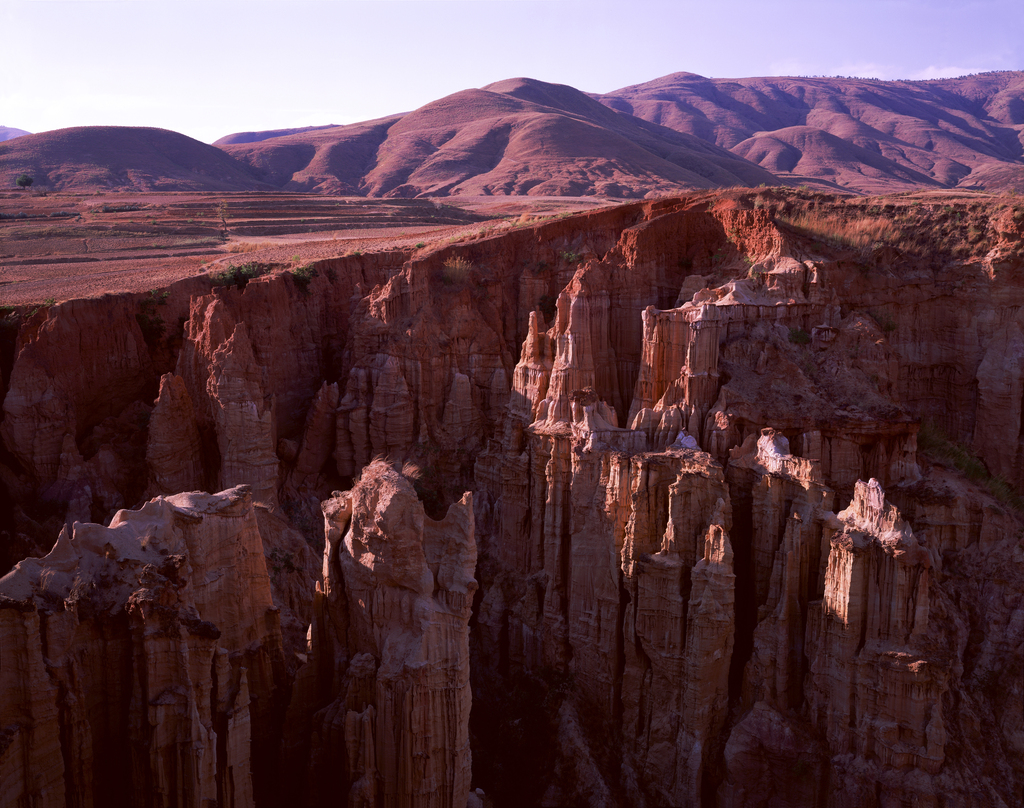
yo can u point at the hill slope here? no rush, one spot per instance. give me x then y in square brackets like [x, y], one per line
[966, 132]
[9, 133]
[518, 136]
[522, 136]
[123, 158]
[255, 137]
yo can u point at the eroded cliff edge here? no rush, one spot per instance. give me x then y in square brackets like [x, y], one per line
[703, 560]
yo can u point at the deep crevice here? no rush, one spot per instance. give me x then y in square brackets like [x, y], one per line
[741, 537]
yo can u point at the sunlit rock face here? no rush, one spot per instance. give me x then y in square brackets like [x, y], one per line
[386, 692]
[635, 509]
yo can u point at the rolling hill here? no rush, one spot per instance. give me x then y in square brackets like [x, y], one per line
[519, 136]
[255, 137]
[523, 136]
[89, 158]
[863, 135]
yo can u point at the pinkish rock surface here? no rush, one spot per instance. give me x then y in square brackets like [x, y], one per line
[685, 542]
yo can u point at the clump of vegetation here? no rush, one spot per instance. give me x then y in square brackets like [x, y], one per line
[150, 322]
[281, 561]
[571, 257]
[799, 337]
[239, 275]
[456, 271]
[838, 231]
[935, 443]
[50, 301]
[124, 207]
[249, 246]
[420, 245]
[24, 181]
[10, 321]
[303, 276]
[885, 321]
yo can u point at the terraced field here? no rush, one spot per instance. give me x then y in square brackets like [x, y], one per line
[62, 246]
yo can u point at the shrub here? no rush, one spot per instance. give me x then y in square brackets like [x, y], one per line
[303, 276]
[150, 322]
[885, 321]
[24, 181]
[799, 336]
[571, 257]
[10, 321]
[239, 275]
[125, 207]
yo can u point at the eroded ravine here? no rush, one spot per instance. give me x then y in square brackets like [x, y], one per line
[670, 582]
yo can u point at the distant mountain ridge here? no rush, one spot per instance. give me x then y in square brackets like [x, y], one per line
[523, 136]
[255, 137]
[966, 132]
[9, 133]
[518, 136]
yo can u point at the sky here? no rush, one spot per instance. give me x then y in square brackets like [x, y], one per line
[211, 68]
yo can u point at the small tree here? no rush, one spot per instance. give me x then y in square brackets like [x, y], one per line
[24, 181]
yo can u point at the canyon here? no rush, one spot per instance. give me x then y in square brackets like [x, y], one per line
[710, 500]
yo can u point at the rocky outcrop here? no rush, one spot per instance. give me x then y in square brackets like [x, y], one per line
[142, 661]
[174, 452]
[231, 399]
[598, 570]
[64, 383]
[877, 685]
[389, 646]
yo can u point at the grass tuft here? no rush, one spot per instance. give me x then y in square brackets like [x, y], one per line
[249, 246]
[933, 442]
[841, 232]
[455, 271]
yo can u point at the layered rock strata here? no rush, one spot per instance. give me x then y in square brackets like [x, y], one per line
[677, 549]
[386, 691]
[141, 661]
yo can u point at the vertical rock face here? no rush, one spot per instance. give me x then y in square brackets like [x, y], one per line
[229, 390]
[879, 673]
[174, 452]
[614, 552]
[64, 384]
[140, 661]
[391, 644]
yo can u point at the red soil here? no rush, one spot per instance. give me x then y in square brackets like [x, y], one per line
[120, 242]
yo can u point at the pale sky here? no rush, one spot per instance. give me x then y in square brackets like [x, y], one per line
[208, 69]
